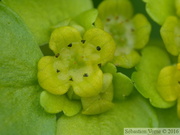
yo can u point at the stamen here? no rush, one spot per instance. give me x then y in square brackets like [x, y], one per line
[70, 45]
[57, 55]
[85, 75]
[99, 65]
[83, 41]
[98, 48]
[57, 70]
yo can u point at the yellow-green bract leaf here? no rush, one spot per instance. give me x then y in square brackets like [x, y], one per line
[177, 4]
[103, 42]
[71, 95]
[87, 81]
[53, 75]
[62, 37]
[109, 68]
[42, 15]
[109, 8]
[152, 61]
[123, 86]
[168, 117]
[87, 19]
[142, 29]
[159, 10]
[102, 102]
[126, 60]
[170, 32]
[168, 83]
[178, 107]
[20, 111]
[57, 103]
[132, 113]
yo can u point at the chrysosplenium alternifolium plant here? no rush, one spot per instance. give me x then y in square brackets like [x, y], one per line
[80, 75]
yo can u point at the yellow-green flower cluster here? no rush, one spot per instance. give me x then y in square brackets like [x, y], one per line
[75, 69]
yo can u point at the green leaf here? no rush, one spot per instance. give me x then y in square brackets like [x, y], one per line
[168, 118]
[170, 32]
[18, 52]
[87, 19]
[124, 115]
[159, 10]
[142, 30]
[42, 15]
[177, 5]
[57, 103]
[21, 113]
[115, 7]
[109, 68]
[123, 86]
[145, 78]
[126, 60]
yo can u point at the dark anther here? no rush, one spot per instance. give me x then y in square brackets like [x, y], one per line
[57, 55]
[132, 30]
[70, 79]
[108, 19]
[98, 48]
[85, 75]
[83, 41]
[179, 82]
[99, 65]
[57, 70]
[93, 23]
[70, 45]
[116, 17]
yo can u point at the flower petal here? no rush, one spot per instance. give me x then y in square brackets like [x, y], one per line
[170, 32]
[126, 60]
[102, 102]
[142, 30]
[104, 47]
[62, 37]
[87, 81]
[168, 84]
[57, 103]
[54, 80]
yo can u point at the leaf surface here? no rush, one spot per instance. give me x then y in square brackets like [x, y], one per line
[42, 15]
[20, 111]
[113, 122]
